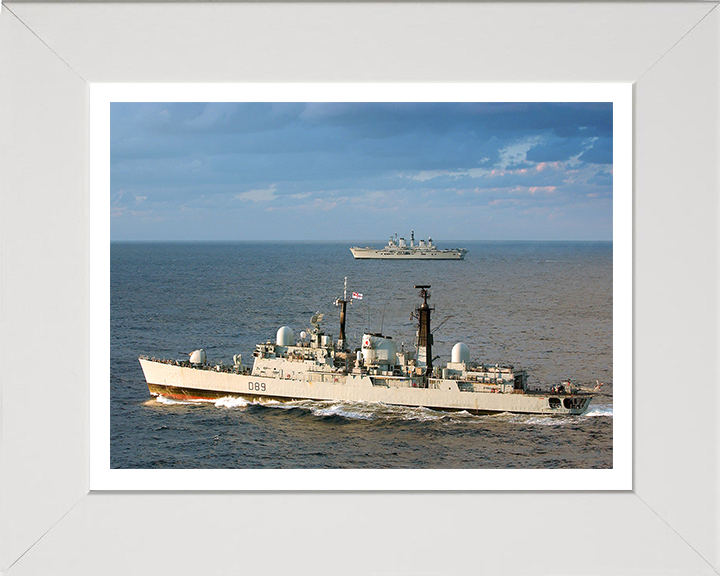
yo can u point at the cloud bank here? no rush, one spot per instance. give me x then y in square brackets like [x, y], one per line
[263, 171]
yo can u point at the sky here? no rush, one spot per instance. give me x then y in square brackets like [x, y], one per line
[361, 171]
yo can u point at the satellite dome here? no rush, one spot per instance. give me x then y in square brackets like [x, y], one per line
[378, 349]
[460, 353]
[285, 336]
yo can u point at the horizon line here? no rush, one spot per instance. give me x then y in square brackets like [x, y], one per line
[316, 241]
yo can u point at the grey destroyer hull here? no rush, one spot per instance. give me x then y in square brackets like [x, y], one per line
[187, 382]
[325, 369]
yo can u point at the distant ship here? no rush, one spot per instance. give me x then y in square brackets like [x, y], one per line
[397, 248]
[322, 369]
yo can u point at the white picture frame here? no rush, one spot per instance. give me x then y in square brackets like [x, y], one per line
[51, 522]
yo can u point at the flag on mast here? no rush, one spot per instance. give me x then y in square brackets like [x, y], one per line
[357, 295]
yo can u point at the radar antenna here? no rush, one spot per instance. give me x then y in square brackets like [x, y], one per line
[316, 319]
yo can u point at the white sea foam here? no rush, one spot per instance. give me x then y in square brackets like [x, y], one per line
[289, 405]
[600, 411]
[555, 420]
[420, 414]
[390, 412]
[548, 420]
[372, 411]
[160, 399]
[358, 410]
[344, 410]
[224, 402]
[231, 402]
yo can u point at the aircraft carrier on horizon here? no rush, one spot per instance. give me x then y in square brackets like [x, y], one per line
[398, 248]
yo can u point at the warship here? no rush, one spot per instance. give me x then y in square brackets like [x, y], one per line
[398, 248]
[316, 367]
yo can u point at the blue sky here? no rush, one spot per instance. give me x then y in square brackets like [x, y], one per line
[361, 171]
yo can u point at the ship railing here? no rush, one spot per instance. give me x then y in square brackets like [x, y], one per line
[186, 364]
[169, 361]
[481, 387]
[332, 377]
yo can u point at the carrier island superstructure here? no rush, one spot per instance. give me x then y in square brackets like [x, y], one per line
[316, 367]
[399, 249]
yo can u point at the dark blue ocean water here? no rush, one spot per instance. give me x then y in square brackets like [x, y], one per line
[542, 306]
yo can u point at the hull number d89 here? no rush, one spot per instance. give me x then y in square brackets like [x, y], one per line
[256, 386]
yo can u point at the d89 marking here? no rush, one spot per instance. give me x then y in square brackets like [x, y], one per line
[257, 386]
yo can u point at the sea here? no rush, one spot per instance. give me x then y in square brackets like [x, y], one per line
[542, 306]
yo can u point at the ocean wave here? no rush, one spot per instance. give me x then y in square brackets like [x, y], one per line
[224, 402]
[544, 420]
[359, 410]
[231, 402]
[344, 410]
[329, 408]
[421, 414]
[550, 419]
[599, 411]
[160, 399]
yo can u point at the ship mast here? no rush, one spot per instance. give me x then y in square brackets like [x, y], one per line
[425, 338]
[343, 307]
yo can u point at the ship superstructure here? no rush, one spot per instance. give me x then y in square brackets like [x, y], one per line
[400, 249]
[316, 367]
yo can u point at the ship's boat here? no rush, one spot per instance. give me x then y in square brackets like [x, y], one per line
[316, 367]
[398, 248]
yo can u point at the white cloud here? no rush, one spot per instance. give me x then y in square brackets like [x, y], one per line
[260, 195]
[425, 175]
[514, 154]
[517, 153]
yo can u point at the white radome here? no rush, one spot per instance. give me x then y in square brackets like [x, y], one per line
[378, 349]
[285, 337]
[460, 353]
